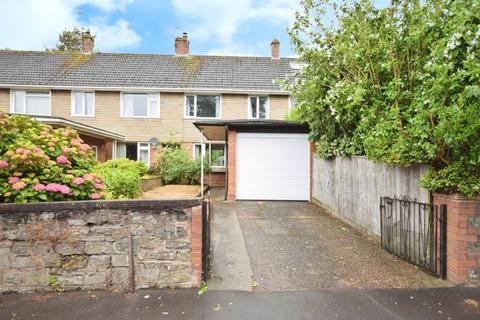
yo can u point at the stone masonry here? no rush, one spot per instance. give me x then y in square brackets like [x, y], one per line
[85, 245]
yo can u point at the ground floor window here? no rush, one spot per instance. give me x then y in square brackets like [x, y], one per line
[137, 151]
[215, 151]
[95, 151]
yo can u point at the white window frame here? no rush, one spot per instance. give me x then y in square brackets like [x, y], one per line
[139, 148]
[95, 151]
[83, 107]
[203, 151]
[149, 94]
[267, 108]
[12, 102]
[187, 116]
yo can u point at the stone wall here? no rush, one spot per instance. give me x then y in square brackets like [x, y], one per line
[88, 245]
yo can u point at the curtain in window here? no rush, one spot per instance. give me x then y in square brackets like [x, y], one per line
[38, 103]
[253, 107]
[262, 108]
[135, 105]
[121, 151]
[19, 99]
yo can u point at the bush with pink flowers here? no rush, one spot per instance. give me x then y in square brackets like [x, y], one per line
[39, 163]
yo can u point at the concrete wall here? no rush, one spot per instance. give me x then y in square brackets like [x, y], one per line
[85, 245]
[350, 188]
[170, 124]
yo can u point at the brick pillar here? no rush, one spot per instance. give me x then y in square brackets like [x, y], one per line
[197, 243]
[232, 164]
[463, 237]
[108, 149]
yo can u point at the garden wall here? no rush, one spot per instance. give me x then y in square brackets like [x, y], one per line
[350, 188]
[100, 244]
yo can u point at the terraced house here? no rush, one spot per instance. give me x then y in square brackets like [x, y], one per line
[126, 105]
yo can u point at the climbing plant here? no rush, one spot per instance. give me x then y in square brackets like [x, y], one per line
[399, 84]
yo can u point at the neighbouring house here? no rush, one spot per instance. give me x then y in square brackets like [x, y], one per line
[123, 103]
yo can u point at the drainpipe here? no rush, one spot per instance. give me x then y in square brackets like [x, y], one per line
[201, 162]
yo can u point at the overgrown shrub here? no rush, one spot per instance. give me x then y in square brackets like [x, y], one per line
[39, 163]
[174, 166]
[122, 177]
[398, 84]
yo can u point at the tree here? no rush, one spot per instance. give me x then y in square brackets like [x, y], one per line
[71, 40]
[398, 84]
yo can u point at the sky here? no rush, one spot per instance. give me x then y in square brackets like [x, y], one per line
[225, 27]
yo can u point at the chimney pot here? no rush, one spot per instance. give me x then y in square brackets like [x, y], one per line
[87, 43]
[182, 45]
[275, 45]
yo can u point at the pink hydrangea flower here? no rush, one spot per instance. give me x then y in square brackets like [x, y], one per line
[63, 160]
[76, 142]
[84, 147]
[19, 150]
[36, 149]
[98, 185]
[13, 180]
[39, 187]
[89, 176]
[3, 164]
[64, 189]
[19, 185]
[55, 187]
[95, 196]
[79, 180]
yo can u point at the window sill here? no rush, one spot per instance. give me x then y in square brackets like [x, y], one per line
[217, 169]
[82, 116]
[139, 117]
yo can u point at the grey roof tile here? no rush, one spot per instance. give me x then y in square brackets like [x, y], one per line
[112, 70]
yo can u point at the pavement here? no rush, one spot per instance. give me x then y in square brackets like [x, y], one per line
[295, 246]
[433, 303]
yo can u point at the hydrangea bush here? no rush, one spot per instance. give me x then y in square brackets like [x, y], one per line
[39, 163]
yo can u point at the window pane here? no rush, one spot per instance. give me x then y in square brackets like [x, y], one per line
[19, 99]
[121, 151]
[135, 105]
[79, 98]
[197, 151]
[89, 97]
[190, 106]
[143, 156]
[94, 149]
[262, 110]
[153, 109]
[207, 106]
[38, 103]
[218, 155]
[253, 107]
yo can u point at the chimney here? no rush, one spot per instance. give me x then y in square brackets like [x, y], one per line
[87, 43]
[275, 49]
[182, 45]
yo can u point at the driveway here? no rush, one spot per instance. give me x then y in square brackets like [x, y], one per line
[285, 246]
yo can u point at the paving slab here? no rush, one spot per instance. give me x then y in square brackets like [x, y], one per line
[230, 263]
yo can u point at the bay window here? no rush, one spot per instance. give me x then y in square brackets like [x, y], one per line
[30, 102]
[140, 105]
[202, 106]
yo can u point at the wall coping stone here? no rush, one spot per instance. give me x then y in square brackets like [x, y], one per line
[99, 204]
[456, 196]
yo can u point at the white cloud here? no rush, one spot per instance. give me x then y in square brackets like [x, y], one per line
[223, 20]
[34, 24]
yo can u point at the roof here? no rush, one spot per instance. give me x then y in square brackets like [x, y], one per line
[80, 127]
[117, 71]
[215, 130]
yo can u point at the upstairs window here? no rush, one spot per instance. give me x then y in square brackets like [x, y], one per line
[202, 106]
[83, 103]
[30, 102]
[258, 107]
[141, 105]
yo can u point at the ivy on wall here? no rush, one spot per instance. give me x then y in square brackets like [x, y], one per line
[399, 84]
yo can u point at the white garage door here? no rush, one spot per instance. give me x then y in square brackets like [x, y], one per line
[272, 166]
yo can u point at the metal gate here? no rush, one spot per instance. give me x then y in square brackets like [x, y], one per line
[415, 232]
[206, 207]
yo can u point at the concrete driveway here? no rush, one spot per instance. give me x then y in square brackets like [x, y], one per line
[285, 246]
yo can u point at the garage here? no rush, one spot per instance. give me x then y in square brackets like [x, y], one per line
[265, 159]
[272, 166]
